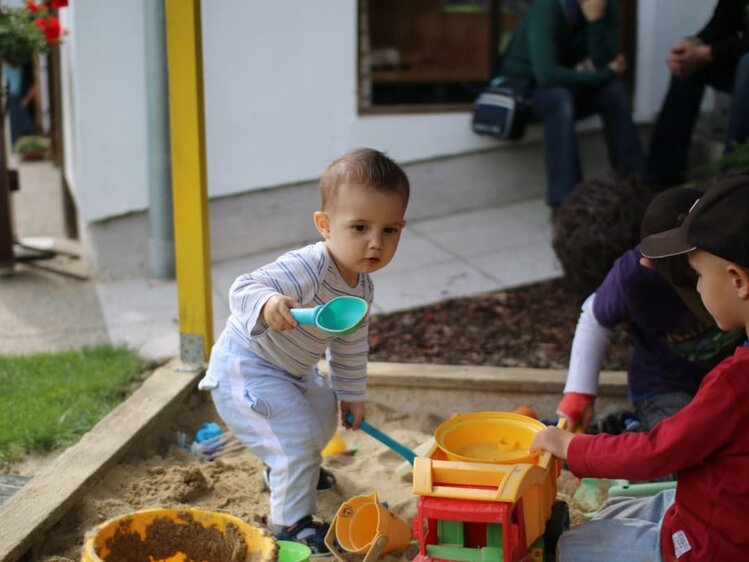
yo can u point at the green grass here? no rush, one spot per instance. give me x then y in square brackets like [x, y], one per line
[48, 400]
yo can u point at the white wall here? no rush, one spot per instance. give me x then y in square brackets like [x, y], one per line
[280, 90]
[660, 23]
[103, 72]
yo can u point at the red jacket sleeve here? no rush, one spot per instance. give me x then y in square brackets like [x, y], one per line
[708, 423]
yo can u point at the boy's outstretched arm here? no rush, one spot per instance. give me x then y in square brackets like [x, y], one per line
[554, 440]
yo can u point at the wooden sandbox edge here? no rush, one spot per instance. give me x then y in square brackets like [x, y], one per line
[45, 499]
[468, 377]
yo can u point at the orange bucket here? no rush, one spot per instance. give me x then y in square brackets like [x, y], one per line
[175, 535]
[363, 525]
[491, 437]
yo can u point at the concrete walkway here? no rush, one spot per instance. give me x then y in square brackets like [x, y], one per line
[453, 256]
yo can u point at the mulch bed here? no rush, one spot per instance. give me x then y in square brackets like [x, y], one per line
[530, 326]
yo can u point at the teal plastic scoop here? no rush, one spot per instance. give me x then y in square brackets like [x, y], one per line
[339, 317]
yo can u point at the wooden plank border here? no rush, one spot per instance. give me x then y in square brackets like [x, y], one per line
[467, 377]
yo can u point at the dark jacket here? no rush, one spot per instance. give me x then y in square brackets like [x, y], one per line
[548, 43]
[727, 32]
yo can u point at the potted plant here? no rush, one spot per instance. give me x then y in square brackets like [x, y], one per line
[27, 30]
[32, 147]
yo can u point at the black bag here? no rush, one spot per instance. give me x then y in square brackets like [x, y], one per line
[502, 108]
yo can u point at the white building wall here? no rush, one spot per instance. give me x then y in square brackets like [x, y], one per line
[103, 72]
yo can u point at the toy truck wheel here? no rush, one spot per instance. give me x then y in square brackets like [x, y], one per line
[557, 524]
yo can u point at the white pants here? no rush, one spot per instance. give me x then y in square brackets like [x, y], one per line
[285, 420]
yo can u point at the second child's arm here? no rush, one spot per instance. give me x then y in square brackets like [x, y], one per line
[589, 346]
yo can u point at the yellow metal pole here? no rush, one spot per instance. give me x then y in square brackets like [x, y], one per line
[189, 179]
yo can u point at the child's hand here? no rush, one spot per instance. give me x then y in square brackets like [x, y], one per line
[276, 313]
[357, 409]
[554, 440]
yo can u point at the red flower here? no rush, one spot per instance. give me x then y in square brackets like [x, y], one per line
[31, 6]
[50, 27]
[59, 3]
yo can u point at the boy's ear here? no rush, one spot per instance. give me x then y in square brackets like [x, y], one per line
[740, 277]
[322, 224]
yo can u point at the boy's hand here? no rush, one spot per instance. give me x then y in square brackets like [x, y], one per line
[554, 440]
[357, 409]
[276, 313]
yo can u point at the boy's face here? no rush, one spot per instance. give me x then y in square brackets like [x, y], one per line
[361, 228]
[717, 286]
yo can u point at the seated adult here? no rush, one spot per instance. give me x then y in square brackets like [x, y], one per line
[719, 57]
[549, 45]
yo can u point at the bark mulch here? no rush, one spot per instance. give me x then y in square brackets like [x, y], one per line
[530, 326]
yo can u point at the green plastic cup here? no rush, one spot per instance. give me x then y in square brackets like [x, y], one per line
[340, 316]
[290, 551]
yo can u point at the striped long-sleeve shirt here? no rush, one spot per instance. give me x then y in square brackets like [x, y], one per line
[310, 276]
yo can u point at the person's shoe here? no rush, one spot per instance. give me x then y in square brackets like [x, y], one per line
[325, 481]
[306, 531]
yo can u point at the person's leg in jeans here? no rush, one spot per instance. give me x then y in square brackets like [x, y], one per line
[623, 530]
[555, 107]
[738, 126]
[672, 134]
[656, 408]
[622, 139]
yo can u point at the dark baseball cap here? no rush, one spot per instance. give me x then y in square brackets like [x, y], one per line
[717, 223]
[666, 211]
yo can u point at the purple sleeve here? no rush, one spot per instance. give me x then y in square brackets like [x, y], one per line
[611, 305]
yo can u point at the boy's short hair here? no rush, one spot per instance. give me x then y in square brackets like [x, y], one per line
[363, 166]
[717, 223]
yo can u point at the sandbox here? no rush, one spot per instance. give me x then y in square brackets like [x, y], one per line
[406, 401]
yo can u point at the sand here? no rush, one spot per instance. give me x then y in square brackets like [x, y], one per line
[169, 476]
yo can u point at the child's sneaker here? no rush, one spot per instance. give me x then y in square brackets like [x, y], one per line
[325, 481]
[306, 531]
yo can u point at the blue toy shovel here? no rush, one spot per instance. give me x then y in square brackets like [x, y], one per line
[385, 439]
[340, 316]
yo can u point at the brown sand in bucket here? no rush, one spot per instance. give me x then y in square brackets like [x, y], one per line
[166, 539]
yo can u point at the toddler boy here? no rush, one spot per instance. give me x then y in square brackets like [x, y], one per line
[263, 368]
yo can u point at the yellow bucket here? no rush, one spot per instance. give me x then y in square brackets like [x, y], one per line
[492, 437]
[176, 535]
[335, 446]
[363, 525]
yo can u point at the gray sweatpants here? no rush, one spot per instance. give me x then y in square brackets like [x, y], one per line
[285, 420]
